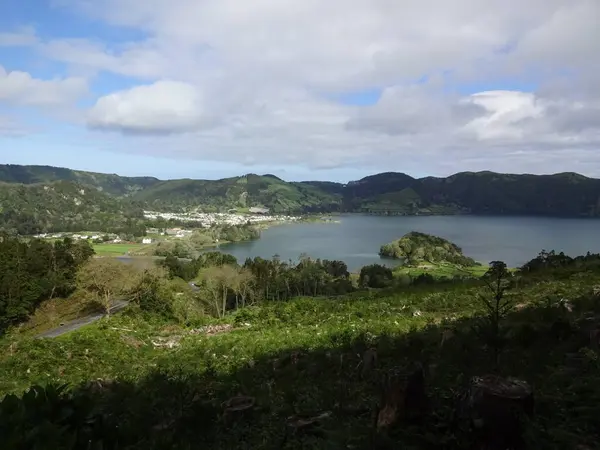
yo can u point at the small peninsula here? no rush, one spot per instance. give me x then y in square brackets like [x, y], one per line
[416, 248]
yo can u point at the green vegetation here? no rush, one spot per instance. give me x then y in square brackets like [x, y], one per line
[119, 249]
[65, 206]
[54, 199]
[441, 271]
[200, 239]
[563, 194]
[238, 192]
[416, 248]
[109, 184]
[35, 271]
[309, 372]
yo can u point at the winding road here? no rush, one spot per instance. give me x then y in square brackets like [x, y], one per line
[83, 321]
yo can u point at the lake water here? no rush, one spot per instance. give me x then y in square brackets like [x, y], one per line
[356, 238]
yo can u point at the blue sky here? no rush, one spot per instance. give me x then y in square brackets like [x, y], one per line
[118, 86]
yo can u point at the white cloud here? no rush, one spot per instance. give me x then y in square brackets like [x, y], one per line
[21, 89]
[163, 107]
[235, 80]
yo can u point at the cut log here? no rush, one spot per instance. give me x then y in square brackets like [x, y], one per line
[300, 422]
[494, 407]
[402, 397]
[237, 404]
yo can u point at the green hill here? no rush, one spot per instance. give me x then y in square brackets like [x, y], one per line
[564, 194]
[111, 184]
[62, 206]
[239, 192]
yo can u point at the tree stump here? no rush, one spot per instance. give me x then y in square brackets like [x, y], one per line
[237, 407]
[401, 397]
[494, 407]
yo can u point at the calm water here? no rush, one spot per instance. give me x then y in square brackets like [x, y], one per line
[356, 239]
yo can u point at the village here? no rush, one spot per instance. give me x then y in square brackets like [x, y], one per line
[153, 234]
[257, 215]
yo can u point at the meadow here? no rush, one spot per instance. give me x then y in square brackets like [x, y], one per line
[118, 249]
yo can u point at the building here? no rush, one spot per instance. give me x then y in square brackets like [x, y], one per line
[146, 241]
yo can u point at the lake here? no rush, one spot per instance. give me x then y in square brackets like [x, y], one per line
[356, 238]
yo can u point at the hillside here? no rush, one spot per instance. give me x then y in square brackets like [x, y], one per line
[62, 206]
[111, 184]
[315, 373]
[565, 194]
[239, 192]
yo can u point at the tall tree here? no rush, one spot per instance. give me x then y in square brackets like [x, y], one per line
[106, 279]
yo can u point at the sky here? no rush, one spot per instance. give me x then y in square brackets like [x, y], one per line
[303, 89]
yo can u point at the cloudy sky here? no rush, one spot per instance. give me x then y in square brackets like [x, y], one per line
[305, 89]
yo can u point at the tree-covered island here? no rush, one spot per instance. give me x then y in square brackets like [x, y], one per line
[416, 248]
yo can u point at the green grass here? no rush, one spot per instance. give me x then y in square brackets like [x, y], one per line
[303, 357]
[442, 270]
[118, 249]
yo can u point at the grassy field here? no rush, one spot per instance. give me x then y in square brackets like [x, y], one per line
[302, 358]
[441, 270]
[118, 249]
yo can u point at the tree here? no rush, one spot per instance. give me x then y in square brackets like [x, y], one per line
[497, 306]
[217, 282]
[375, 276]
[244, 285]
[33, 271]
[106, 279]
[151, 293]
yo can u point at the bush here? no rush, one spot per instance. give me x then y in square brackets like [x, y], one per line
[375, 276]
[153, 293]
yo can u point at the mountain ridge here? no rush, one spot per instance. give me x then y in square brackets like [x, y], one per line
[565, 194]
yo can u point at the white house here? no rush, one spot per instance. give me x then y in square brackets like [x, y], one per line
[146, 241]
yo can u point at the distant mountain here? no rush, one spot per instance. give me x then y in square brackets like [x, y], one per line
[239, 192]
[26, 190]
[111, 184]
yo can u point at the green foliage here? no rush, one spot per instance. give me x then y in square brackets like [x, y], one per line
[376, 276]
[498, 306]
[106, 280]
[239, 192]
[152, 293]
[111, 184]
[559, 263]
[34, 271]
[64, 206]
[415, 248]
[188, 270]
[44, 418]
[564, 194]
[303, 357]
